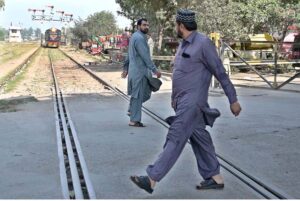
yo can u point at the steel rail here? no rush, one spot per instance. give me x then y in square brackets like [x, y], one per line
[62, 166]
[253, 182]
[70, 153]
[82, 187]
[85, 172]
[258, 186]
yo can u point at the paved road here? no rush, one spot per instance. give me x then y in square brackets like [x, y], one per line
[114, 151]
[263, 140]
[29, 159]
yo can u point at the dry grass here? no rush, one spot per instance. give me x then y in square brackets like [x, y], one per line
[12, 84]
[9, 51]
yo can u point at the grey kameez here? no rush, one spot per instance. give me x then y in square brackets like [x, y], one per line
[195, 62]
[138, 65]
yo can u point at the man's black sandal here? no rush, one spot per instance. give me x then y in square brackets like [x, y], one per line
[209, 184]
[143, 182]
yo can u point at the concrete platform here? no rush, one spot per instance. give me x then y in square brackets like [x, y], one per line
[114, 151]
[263, 140]
[29, 162]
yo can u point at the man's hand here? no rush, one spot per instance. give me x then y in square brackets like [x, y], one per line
[158, 74]
[235, 108]
[124, 74]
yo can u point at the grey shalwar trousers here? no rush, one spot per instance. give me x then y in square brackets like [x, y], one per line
[135, 104]
[189, 123]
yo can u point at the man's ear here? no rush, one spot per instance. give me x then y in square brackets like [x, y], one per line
[181, 26]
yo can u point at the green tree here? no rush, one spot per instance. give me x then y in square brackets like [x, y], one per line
[27, 33]
[37, 32]
[158, 12]
[2, 4]
[237, 18]
[133, 10]
[290, 14]
[24, 34]
[100, 23]
[218, 16]
[232, 18]
[80, 31]
[30, 32]
[2, 34]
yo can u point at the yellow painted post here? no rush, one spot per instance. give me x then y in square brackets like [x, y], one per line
[215, 37]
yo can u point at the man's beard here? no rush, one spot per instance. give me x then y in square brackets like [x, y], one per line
[145, 31]
[179, 34]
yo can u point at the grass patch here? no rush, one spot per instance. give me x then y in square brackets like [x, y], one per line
[12, 84]
[56, 55]
[2, 79]
[9, 51]
[11, 105]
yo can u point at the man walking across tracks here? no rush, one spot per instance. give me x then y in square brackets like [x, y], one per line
[138, 66]
[195, 62]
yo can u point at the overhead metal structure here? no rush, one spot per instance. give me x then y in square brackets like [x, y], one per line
[40, 15]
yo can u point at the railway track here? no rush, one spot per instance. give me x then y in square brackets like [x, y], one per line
[266, 191]
[75, 179]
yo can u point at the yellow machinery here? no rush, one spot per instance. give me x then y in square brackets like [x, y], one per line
[215, 37]
[256, 42]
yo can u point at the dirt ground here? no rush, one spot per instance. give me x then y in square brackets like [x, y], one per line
[253, 80]
[37, 81]
[111, 72]
[74, 80]
[11, 64]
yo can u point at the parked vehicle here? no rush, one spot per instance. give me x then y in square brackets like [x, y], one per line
[291, 46]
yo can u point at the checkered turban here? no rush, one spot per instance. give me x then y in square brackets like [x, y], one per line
[185, 15]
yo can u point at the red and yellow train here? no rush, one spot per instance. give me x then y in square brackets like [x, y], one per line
[52, 37]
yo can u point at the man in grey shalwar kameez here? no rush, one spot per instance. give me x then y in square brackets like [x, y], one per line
[138, 66]
[195, 62]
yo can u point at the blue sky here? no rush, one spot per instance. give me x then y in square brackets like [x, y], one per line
[16, 12]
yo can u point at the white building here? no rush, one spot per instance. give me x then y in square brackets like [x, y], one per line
[15, 34]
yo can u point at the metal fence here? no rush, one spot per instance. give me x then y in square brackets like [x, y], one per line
[275, 56]
[262, 57]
